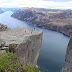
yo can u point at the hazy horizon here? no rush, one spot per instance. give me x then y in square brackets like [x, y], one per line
[50, 4]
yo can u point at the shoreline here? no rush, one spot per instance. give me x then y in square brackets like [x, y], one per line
[44, 27]
[47, 29]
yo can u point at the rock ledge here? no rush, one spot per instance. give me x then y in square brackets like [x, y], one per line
[28, 40]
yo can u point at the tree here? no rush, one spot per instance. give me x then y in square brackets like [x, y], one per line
[9, 63]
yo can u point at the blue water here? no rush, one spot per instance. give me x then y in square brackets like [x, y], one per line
[54, 44]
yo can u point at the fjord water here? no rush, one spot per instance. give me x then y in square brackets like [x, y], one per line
[54, 44]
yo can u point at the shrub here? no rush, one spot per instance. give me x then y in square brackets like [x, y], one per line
[29, 68]
[12, 47]
[9, 63]
[19, 17]
[6, 60]
[2, 26]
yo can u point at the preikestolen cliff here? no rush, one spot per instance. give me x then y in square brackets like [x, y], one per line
[35, 40]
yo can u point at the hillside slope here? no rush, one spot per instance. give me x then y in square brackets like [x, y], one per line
[59, 20]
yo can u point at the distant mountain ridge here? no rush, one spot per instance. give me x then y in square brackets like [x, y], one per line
[2, 10]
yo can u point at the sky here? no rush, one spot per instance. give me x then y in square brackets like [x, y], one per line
[52, 4]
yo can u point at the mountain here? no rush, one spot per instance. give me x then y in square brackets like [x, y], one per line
[2, 10]
[59, 20]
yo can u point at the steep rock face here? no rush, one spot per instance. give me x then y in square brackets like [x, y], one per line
[58, 20]
[28, 40]
[28, 51]
[68, 67]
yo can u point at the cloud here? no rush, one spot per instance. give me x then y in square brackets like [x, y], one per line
[36, 4]
[7, 1]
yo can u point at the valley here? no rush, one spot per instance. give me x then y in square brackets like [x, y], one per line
[58, 20]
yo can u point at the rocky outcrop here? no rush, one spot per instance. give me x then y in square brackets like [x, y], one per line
[3, 27]
[68, 66]
[28, 50]
[58, 20]
[28, 43]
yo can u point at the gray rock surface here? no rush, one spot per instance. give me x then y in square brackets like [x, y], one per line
[28, 50]
[28, 40]
[68, 66]
[2, 43]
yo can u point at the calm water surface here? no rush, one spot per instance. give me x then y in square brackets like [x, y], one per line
[52, 53]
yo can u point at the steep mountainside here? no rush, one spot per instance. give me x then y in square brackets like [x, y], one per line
[59, 20]
[68, 66]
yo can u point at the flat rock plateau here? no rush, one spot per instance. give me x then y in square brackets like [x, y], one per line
[28, 43]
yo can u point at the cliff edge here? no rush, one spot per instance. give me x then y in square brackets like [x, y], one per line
[68, 66]
[28, 43]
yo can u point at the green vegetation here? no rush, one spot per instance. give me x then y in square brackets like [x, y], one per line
[3, 26]
[30, 68]
[9, 63]
[7, 60]
[19, 17]
[12, 47]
